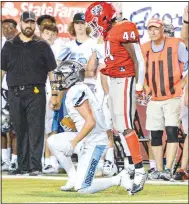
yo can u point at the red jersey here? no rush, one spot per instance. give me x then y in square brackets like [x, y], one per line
[118, 61]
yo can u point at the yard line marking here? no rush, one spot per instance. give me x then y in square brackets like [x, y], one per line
[128, 201]
[158, 182]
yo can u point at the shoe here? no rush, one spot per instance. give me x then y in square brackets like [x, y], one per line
[18, 172]
[4, 166]
[35, 173]
[109, 169]
[13, 166]
[151, 170]
[131, 170]
[50, 170]
[154, 175]
[126, 181]
[68, 187]
[139, 180]
[166, 175]
[181, 175]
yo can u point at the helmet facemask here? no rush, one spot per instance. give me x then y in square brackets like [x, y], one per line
[67, 74]
[96, 30]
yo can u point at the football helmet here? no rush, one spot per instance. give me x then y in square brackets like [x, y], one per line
[143, 99]
[98, 16]
[67, 74]
[169, 29]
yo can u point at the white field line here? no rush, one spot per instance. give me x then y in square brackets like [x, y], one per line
[142, 201]
[159, 182]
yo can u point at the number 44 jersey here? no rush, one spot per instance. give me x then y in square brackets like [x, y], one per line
[118, 61]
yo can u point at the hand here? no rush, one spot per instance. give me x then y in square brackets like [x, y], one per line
[68, 149]
[55, 103]
[185, 15]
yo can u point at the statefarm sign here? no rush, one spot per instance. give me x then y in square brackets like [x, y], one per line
[62, 11]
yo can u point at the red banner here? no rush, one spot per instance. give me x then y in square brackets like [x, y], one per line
[62, 11]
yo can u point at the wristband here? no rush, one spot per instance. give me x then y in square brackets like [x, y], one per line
[187, 22]
[139, 87]
[54, 94]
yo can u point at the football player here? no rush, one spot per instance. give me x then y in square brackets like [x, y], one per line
[90, 140]
[125, 66]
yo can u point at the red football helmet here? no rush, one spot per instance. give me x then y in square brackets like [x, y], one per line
[98, 16]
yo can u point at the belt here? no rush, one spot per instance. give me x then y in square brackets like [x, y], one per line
[22, 87]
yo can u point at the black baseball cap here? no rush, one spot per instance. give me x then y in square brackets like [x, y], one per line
[27, 16]
[79, 17]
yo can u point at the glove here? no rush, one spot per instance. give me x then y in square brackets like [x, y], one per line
[67, 124]
[68, 149]
[143, 99]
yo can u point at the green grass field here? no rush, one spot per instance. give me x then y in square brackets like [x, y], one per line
[37, 190]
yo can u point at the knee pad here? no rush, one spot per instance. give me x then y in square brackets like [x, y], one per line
[172, 134]
[156, 137]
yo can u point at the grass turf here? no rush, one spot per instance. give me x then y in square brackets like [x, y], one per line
[34, 190]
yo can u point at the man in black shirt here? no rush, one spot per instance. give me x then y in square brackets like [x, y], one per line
[27, 61]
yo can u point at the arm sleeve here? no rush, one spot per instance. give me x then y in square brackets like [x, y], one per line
[49, 58]
[78, 96]
[141, 68]
[4, 58]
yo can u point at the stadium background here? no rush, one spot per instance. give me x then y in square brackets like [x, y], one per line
[138, 12]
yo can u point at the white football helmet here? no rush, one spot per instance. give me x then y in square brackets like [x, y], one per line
[67, 74]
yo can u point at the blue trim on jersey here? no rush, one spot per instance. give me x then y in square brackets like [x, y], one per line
[97, 154]
[58, 116]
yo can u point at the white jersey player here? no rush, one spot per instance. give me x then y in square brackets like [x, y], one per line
[90, 142]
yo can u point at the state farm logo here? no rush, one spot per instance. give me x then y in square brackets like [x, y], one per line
[8, 9]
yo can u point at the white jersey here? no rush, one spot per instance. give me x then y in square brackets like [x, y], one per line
[82, 53]
[76, 95]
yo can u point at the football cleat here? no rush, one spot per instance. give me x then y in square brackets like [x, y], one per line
[50, 170]
[13, 166]
[4, 166]
[126, 181]
[166, 175]
[139, 180]
[109, 169]
[153, 175]
[68, 187]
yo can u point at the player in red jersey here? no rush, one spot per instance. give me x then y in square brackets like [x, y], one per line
[125, 66]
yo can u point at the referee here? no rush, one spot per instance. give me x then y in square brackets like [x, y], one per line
[27, 61]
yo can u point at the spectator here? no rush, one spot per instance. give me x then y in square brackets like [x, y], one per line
[182, 173]
[49, 34]
[161, 55]
[44, 20]
[27, 62]
[9, 31]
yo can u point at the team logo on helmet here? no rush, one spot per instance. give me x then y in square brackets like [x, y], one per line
[96, 11]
